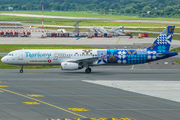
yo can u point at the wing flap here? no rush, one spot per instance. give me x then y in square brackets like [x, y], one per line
[85, 60]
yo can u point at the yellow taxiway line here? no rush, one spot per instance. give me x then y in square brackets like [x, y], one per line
[43, 102]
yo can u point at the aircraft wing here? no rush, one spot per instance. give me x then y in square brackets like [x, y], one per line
[85, 60]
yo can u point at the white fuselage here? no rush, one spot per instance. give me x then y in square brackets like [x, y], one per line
[89, 57]
[46, 56]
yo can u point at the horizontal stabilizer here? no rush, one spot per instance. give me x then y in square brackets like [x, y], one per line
[163, 54]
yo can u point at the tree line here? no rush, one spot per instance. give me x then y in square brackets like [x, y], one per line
[152, 8]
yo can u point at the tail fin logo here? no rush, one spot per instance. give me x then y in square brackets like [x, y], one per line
[170, 30]
[152, 45]
[163, 41]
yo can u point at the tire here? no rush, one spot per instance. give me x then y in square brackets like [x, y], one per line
[88, 70]
[21, 71]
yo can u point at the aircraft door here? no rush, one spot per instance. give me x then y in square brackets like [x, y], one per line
[20, 55]
[55, 56]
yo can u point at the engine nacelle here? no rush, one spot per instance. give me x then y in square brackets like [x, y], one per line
[70, 66]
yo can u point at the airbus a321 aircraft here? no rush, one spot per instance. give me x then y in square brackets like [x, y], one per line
[78, 58]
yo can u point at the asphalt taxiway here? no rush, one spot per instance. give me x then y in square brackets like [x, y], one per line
[122, 40]
[54, 94]
[137, 92]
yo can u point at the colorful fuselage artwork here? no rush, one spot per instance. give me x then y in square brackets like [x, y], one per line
[123, 56]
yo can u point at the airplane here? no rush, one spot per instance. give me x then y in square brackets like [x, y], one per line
[75, 59]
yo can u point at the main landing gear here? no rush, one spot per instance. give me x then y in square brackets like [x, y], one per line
[21, 70]
[88, 70]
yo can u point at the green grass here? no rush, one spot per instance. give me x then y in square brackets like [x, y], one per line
[70, 22]
[177, 30]
[89, 15]
[176, 49]
[8, 48]
[178, 61]
[104, 23]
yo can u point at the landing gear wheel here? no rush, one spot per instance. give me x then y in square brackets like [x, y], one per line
[88, 70]
[21, 71]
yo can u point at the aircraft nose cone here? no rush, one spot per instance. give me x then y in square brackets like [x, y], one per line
[3, 60]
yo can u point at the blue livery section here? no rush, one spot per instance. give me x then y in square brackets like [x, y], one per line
[163, 41]
[124, 56]
[38, 55]
[158, 50]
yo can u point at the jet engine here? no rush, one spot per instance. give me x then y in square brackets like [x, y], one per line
[70, 66]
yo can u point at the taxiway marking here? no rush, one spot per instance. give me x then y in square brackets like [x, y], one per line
[78, 109]
[61, 86]
[91, 119]
[132, 67]
[34, 95]
[142, 109]
[31, 103]
[25, 40]
[43, 102]
[4, 86]
[118, 41]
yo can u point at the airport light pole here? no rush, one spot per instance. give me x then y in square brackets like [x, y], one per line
[139, 23]
[42, 15]
[14, 21]
[139, 35]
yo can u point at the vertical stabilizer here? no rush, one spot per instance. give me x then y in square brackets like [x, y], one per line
[163, 41]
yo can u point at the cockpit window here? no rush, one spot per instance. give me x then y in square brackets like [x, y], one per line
[10, 54]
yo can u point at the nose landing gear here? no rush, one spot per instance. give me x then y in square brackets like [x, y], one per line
[21, 70]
